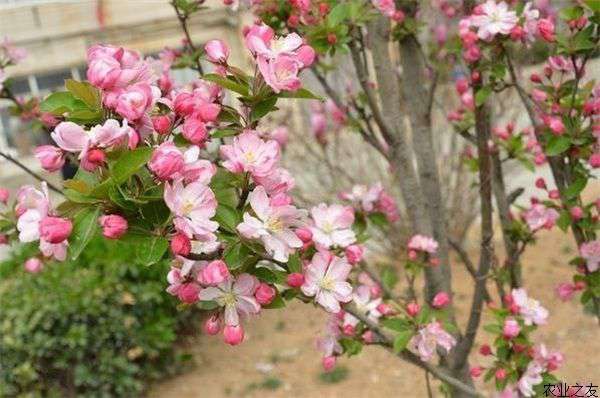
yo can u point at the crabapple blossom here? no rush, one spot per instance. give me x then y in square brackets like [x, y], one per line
[55, 229]
[530, 309]
[511, 328]
[440, 300]
[51, 158]
[332, 225]
[295, 279]
[212, 325]
[33, 265]
[365, 304]
[181, 245]
[193, 206]
[539, 216]
[217, 51]
[325, 279]
[423, 243]
[272, 224]
[166, 162]
[428, 338]
[265, 294]
[493, 19]
[354, 253]
[4, 195]
[590, 251]
[233, 334]
[530, 378]
[248, 153]
[113, 226]
[213, 273]
[236, 296]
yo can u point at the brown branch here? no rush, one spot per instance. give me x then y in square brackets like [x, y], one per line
[183, 18]
[31, 173]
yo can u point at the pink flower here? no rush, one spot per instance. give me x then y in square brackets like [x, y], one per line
[413, 308]
[440, 300]
[590, 251]
[181, 245]
[332, 225]
[386, 7]
[135, 101]
[113, 226]
[295, 279]
[549, 360]
[281, 73]
[529, 379]
[248, 153]
[265, 294]
[278, 181]
[216, 51]
[213, 273]
[279, 134]
[546, 29]
[539, 216]
[565, 291]
[55, 250]
[110, 134]
[182, 281]
[511, 328]
[33, 265]
[354, 253]
[12, 53]
[233, 335]
[366, 304]
[4, 195]
[51, 158]
[70, 137]
[261, 41]
[236, 295]
[32, 206]
[530, 309]
[325, 279]
[555, 124]
[428, 338]
[166, 161]
[55, 229]
[495, 18]
[193, 206]
[423, 243]
[195, 131]
[272, 225]
[363, 197]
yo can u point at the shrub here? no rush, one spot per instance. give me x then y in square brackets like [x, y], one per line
[100, 326]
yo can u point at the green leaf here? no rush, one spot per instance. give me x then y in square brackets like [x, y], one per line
[482, 95]
[229, 84]
[277, 302]
[60, 102]
[493, 328]
[575, 188]
[401, 340]
[337, 14]
[262, 108]
[294, 264]
[389, 278]
[564, 220]
[594, 5]
[397, 324]
[130, 163]
[557, 144]
[221, 133]
[300, 94]
[227, 217]
[236, 255]
[378, 219]
[84, 91]
[570, 13]
[150, 249]
[84, 229]
[351, 347]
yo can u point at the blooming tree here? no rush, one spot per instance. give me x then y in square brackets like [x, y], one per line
[189, 173]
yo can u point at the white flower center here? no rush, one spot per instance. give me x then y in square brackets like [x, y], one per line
[250, 157]
[327, 283]
[274, 224]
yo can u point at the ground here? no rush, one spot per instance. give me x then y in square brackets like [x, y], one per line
[279, 359]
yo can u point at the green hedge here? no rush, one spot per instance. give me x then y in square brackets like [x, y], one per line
[101, 326]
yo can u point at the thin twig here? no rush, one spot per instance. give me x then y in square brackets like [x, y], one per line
[183, 18]
[31, 172]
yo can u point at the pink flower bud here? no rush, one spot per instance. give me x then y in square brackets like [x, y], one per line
[580, 285]
[184, 104]
[500, 374]
[385, 309]
[211, 325]
[595, 160]
[565, 291]
[3, 239]
[329, 363]
[554, 194]
[535, 78]
[214, 273]
[161, 124]
[304, 234]
[441, 300]
[194, 130]
[55, 229]
[51, 157]
[33, 265]
[485, 350]
[348, 330]
[413, 308]
[511, 328]
[517, 33]
[539, 95]
[208, 112]
[181, 245]
[461, 85]
[576, 213]
[94, 158]
[476, 371]
[188, 293]
[295, 279]
[216, 51]
[398, 16]
[540, 183]
[264, 294]
[233, 335]
[113, 226]
[166, 161]
[354, 254]
[4, 195]
[368, 337]
[546, 29]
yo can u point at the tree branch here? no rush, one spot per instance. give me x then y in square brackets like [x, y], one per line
[31, 173]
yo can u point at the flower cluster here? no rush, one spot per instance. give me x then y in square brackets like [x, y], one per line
[373, 199]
